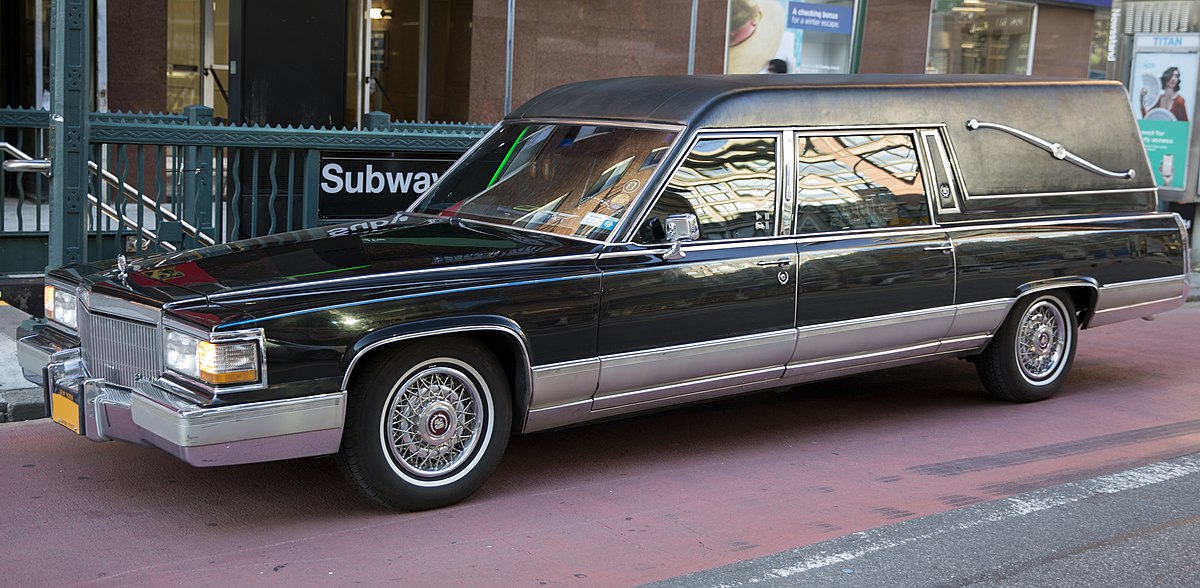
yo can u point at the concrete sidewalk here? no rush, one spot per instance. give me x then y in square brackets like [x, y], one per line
[20, 400]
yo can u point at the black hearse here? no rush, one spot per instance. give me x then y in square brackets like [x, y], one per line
[625, 245]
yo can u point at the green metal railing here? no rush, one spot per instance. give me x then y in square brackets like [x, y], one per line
[161, 182]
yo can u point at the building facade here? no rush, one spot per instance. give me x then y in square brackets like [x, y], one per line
[327, 62]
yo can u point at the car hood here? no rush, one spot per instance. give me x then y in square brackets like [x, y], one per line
[359, 255]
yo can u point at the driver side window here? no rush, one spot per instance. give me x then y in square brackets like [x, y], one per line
[728, 183]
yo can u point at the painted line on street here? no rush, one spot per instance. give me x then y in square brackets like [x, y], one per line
[883, 538]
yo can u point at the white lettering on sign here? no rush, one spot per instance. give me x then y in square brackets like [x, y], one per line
[335, 179]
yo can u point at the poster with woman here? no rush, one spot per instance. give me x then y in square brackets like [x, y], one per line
[1162, 92]
[785, 36]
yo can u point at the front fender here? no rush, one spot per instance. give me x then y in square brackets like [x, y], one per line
[499, 330]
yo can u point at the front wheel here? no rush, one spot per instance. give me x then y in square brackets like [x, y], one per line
[426, 423]
[1030, 355]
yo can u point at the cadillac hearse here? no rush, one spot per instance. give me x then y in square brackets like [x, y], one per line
[625, 245]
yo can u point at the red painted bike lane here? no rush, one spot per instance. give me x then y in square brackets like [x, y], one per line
[617, 503]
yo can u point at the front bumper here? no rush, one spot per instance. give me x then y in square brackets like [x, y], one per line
[148, 414]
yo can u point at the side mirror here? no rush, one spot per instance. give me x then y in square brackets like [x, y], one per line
[681, 228]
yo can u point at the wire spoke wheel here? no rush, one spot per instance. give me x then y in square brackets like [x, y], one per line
[1031, 353]
[426, 422]
[432, 421]
[1041, 341]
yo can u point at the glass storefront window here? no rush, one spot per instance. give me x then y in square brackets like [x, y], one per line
[183, 54]
[981, 36]
[399, 85]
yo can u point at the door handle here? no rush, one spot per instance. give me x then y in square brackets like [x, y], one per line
[942, 248]
[775, 263]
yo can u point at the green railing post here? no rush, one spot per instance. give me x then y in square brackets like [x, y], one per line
[70, 97]
[312, 186]
[376, 121]
[198, 166]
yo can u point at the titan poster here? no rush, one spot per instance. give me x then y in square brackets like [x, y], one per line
[1162, 89]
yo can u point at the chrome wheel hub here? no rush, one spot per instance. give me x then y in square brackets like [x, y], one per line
[1041, 341]
[432, 422]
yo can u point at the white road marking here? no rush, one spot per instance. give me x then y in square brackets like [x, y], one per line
[1000, 510]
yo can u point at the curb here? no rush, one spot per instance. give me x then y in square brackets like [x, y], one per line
[25, 404]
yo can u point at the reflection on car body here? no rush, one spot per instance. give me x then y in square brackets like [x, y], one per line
[624, 245]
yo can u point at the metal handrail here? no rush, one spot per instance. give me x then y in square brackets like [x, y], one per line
[132, 193]
[25, 163]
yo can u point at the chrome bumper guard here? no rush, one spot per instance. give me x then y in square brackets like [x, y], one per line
[200, 436]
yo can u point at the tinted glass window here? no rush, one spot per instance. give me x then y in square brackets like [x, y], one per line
[564, 179]
[852, 182]
[729, 184]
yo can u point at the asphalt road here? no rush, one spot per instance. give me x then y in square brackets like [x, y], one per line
[907, 477]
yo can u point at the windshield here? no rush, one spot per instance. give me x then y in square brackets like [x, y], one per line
[572, 180]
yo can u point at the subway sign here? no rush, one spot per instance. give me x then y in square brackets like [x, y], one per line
[370, 185]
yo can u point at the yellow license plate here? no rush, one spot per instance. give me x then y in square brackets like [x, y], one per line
[65, 411]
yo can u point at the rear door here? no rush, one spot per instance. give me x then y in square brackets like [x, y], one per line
[876, 276]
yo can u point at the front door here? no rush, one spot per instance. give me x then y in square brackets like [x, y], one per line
[723, 314]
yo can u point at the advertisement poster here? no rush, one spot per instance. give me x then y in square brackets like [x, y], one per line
[785, 36]
[1162, 91]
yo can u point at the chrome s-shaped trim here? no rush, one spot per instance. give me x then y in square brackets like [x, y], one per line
[1054, 149]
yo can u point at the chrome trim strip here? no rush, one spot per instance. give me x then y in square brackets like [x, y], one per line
[706, 385]
[564, 383]
[1055, 149]
[1060, 194]
[888, 354]
[960, 344]
[417, 272]
[863, 233]
[624, 124]
[461, 329]
[407, 297]
[111, 305]
[785, 189]
[963, 226]
[805, 238]
[553, 417]
[883, 318]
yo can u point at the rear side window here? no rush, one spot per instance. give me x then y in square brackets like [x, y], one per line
[852, 182]
[728, 183]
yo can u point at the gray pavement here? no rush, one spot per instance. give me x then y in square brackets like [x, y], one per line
[20, 400]
[1131, 528]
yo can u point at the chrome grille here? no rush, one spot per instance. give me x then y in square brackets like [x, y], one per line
[118, 350]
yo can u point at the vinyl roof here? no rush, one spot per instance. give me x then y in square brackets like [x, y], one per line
[688, 100]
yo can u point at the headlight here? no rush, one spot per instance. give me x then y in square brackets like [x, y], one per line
[221, 362]
[59, 305]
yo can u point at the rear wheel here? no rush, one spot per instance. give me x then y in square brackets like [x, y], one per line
[426, 424]
[1030, 355]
